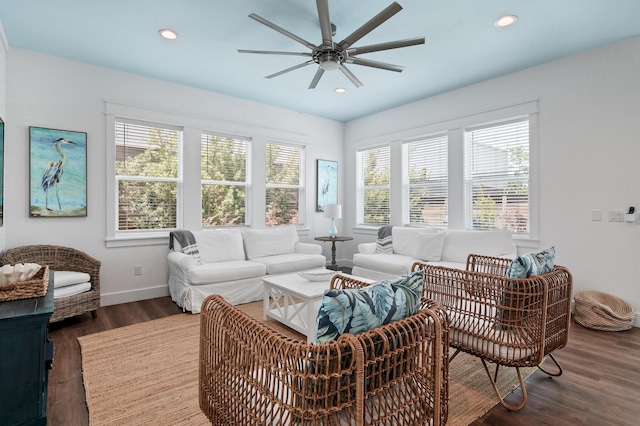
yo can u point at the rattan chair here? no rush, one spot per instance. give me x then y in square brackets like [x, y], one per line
[509, 322]
[62, 259]
[252, 375]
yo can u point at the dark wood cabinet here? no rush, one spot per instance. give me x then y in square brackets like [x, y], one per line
[26, 354]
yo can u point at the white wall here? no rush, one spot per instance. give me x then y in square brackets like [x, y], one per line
[588, 149]
[52, 92]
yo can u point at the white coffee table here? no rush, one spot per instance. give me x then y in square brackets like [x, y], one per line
[294, 301]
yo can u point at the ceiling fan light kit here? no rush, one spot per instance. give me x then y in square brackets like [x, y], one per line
[330, 56]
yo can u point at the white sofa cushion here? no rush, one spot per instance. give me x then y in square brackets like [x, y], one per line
[291, 262]
[68, 278]
[393, 264]
[269, 242]
[71, 290]
[219, 245]
[404, 240]
[458, 244]
[209, 273]
[429, 245]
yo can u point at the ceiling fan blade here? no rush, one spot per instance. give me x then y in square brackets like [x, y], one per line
[282, 31]
[325, 23]
[316, 78]
[385, 46]
[369, 26]
[350, 75]
[275, 52]
[375, 64]
[295, 67]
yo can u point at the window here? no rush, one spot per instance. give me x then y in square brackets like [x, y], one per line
[497, 176]
[148, 175]
[374, 191]
[285, 196]
[225, 180]
[425, 181]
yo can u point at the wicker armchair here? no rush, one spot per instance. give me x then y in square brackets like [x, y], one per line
[62, 259]
[252, 375]
[506, 321]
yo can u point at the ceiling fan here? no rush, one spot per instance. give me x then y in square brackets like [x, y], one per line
[330, 55]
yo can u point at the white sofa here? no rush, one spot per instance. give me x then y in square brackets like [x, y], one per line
[448, 248]
[232, 264]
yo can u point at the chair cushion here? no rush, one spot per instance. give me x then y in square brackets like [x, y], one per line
[355, 311]
[70, 290]
[269, 242]
[535, 263]
[220, 245]
[210, 273]
[292, 262]
[68, 278]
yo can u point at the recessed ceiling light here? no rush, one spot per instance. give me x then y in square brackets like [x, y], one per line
[340, 90]
[506, 20]
[168, 34]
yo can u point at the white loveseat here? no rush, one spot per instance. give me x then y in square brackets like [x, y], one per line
[233, 262]
[448, 248]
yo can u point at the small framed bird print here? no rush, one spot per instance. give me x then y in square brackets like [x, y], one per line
[57, 173]
[327, 184]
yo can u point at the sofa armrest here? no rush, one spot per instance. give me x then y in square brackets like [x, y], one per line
[367, 248]
[180, 262]
[307, 248]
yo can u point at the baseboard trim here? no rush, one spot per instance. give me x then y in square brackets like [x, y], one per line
[133, 295]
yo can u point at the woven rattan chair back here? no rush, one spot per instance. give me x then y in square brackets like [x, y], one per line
[252, 375]
[509, 322]
[62, 259]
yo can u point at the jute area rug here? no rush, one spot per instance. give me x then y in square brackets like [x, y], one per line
[147, 374]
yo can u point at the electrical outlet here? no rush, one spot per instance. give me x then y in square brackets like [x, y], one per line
[616, 216]
[137, 270]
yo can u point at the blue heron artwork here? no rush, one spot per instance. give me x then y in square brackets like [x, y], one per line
[327, 184]
[58, 175]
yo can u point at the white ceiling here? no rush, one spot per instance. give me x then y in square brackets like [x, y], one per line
[462, 44]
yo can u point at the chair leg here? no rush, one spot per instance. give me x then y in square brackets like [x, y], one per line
[497, 392]
[555, 361]
[94, 314]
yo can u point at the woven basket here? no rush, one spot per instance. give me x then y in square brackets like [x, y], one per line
[601, 311]
[34, 287]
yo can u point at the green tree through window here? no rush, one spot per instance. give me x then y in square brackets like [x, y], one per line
[224, 165]
[147, 176]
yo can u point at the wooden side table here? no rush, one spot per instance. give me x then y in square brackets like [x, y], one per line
[333, 240]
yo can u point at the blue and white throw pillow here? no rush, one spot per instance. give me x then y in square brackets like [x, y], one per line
[529, 264]
[355, 311]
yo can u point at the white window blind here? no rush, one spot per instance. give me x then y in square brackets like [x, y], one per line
[225, 180]
[374, 180]
[426, 180]
[148, 177]
[497, 176]
[284, 185]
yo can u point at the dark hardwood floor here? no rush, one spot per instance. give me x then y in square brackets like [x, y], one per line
[600, 384]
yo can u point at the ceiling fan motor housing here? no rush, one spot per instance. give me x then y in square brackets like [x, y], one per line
[329, 59]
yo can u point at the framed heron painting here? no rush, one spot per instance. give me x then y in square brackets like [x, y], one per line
[57, 173]
[327, 184]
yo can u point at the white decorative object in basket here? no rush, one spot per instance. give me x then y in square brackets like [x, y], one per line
[18, 272]
[319, 275]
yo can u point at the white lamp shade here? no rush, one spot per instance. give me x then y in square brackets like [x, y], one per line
[333, 211]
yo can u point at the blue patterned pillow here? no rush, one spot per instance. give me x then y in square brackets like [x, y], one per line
[356, 311]
[532, 264]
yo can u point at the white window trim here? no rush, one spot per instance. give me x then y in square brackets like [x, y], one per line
[193, 127]
[454, 129]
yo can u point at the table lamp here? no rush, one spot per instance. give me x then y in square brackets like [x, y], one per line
[333, 211]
